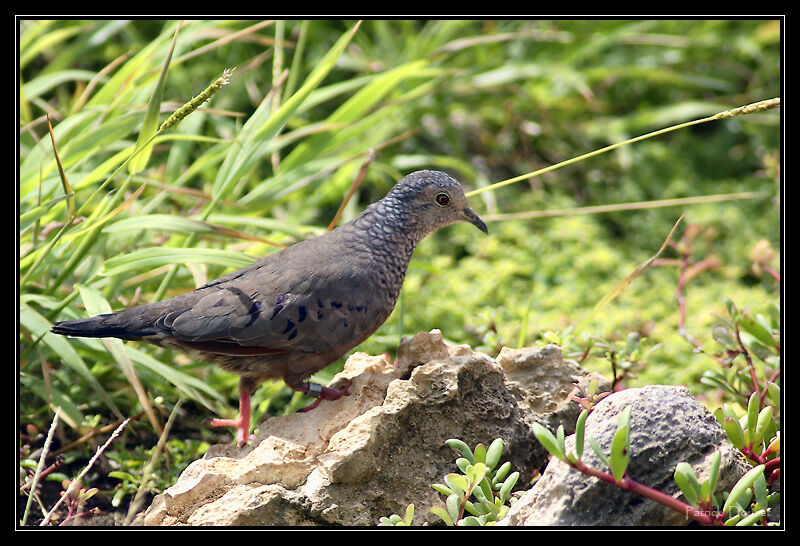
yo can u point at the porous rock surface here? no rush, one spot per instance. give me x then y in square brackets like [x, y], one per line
[370, 454]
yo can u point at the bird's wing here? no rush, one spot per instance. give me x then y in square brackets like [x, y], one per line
[274, 308]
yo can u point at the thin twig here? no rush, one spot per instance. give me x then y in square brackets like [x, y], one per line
[95, 80]
[59, 462]
[748, 109]
[148, 470]
[91, 434]
[74, 483]
[223, 41]
[62, 175]
[362, 173]
[617, 207]
[40, 465]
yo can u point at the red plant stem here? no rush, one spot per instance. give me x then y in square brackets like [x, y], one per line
[93, 512]
[775, 274]
[640, 489]
[683, 278]
[772, 379]
[685, 274]
[769, 464]
[772, 464]
[586, 353]
[774, 469]
[682, 300]
[617, 379]
[49, 470]
[750, 365]
[463, 504]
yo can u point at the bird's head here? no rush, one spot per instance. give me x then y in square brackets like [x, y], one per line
[434, 200]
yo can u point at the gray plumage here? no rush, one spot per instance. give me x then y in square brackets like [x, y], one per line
[299, 309]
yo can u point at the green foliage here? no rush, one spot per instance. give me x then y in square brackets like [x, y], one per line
[734, 507]
[482, 488]
[626, 357]
[750, 347]
[129, 466]
[750, 383]
[396, 521]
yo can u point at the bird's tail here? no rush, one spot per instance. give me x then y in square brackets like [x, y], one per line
[107, 325]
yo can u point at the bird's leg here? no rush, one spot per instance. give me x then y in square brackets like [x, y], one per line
[321, 393]
[242, 424]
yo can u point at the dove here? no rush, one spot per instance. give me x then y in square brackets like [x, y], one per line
[298, 310]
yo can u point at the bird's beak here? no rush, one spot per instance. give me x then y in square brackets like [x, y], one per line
[474, 219]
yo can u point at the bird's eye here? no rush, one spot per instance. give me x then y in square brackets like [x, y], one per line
[442, 199]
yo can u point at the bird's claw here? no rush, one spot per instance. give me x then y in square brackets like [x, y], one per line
[323, 393]
[243, 435]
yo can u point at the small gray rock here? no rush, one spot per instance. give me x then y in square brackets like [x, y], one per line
[667, 426]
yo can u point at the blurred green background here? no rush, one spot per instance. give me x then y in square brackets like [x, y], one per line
[482, 100]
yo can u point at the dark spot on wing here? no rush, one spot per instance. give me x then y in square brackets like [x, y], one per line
[252, 305]
[302, 312]
[254, 312]
[239, 293]
[289, 326]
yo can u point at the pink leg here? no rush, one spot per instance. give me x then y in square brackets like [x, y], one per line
[242, 424]
[322, 393]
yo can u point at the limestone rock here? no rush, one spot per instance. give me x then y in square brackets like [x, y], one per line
[544, 384]
[370, 454]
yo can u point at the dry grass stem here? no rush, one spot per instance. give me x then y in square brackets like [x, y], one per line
[76, 482]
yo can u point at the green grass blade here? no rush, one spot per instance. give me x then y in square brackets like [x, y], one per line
[55, 398]
[352, 110]
[741, 486]
[37, 325]
[41, 85]
[189, 385]
[264, 125]
[622, 285]
[30, 216]
[150, 123]
[150, 258]
[96, 304]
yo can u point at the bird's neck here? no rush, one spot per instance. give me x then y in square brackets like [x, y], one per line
[388, 225]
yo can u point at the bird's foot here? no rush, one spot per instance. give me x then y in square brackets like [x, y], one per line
[388, 356]
[323, 393]
[242, 426]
